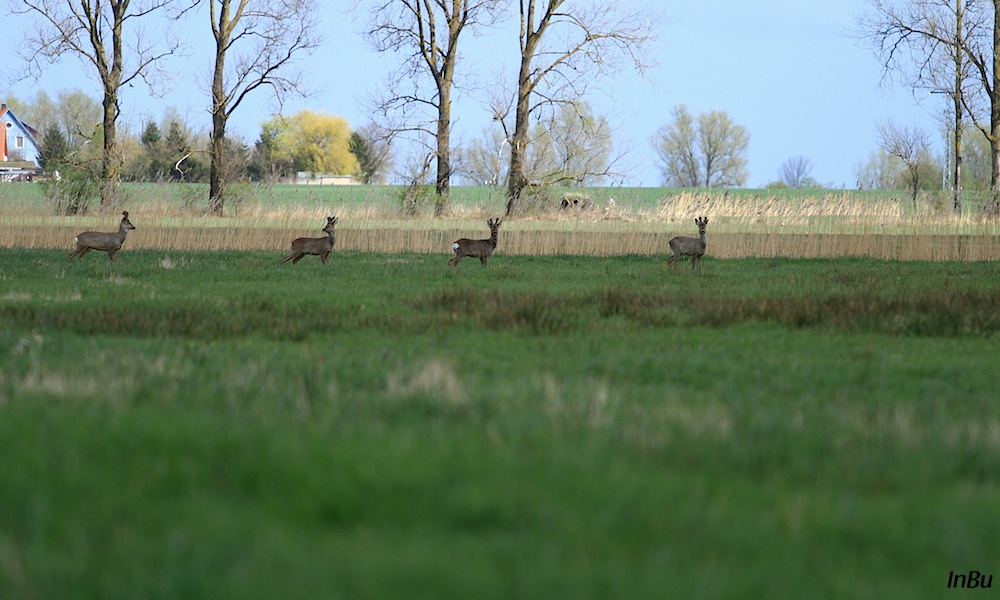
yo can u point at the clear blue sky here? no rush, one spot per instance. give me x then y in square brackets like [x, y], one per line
[788, 71]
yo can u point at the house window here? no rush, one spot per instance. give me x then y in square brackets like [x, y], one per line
[19, 142]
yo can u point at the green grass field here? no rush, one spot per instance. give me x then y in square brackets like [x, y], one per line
[214, 425]
[256, 198]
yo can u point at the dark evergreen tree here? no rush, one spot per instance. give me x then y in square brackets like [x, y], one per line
[150, 134]
[371, 162]
[54, 148]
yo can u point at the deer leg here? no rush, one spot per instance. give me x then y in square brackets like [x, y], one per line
[483, 259]
[325, 256]
[672, 261]
[112, 254]
[297, 258]
[84, 253]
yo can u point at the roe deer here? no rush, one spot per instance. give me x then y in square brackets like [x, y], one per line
[320, 246]
[105, 242]
[689, 246]
[480, 249]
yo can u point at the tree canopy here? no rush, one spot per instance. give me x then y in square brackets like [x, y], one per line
[311, 141]
[709, 151]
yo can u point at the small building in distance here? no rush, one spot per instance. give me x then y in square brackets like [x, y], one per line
[19, 152]
[308, 178]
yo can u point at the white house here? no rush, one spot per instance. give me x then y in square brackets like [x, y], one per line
[19, 151]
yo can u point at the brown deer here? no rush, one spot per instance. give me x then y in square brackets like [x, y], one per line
[320, 246]
[105, 242]
[480, 249]
[689, 246]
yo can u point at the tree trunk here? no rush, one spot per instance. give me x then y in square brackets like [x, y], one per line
[995, 114]
[109, 158]
[517, 180]
[957, 186]
[111, 79]
[443, 181]
[217, 173]
[217, 176]
[957, 97]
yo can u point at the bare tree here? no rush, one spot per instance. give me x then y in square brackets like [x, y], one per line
[577, 146]
[795, 171]
[486, 158]
[880, 171]
[677, 147]
[260, 40]
[723, 146]
[108, 36]
[562, 45]
[571, 147]
[950, 47]
[910, 145]
[427, 33]
[707, 152]
[74, 113]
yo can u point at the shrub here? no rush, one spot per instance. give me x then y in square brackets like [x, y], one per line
[72, 192]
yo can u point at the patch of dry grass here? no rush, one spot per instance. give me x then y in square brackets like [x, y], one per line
[741, 225]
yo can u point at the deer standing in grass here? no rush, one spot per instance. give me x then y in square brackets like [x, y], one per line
[105, 242]
[689, 246]
[321, 246]
[480, 249]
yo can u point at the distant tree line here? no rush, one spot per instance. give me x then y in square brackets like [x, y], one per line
[171, 150]
[573, 147]
[543, 131]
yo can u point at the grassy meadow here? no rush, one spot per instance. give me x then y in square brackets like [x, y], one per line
[197, 421]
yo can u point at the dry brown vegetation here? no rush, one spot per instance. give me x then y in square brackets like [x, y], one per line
[829, 225]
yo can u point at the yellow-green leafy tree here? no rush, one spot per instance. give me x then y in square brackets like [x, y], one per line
[313, 142]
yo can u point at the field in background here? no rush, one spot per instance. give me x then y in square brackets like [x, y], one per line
[612, 221]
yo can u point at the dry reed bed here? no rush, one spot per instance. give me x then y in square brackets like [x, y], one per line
[783, 211]
[833, 225]
[538, 242]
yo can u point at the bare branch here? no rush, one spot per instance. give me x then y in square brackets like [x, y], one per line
[562, 48]
[256, 45]
[108, 36]
[418, 94]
